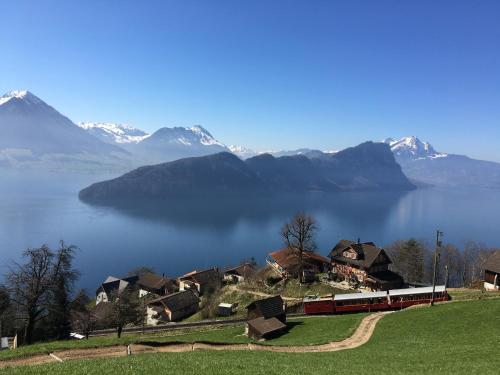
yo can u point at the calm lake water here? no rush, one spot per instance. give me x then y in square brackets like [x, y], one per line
[178, 236]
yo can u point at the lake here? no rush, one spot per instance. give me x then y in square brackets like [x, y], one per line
[178, 236]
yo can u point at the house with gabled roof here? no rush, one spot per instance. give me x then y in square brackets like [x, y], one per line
[145, 283]
[492, 272]
[286, 262]
[171, 308]
[201, 281]
[366, 263]
[240, 273]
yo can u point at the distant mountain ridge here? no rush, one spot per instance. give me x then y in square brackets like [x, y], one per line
[423, 164]
[117, 134]
[369, 166]
[34, 134]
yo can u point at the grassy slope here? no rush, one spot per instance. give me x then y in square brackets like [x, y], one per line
[455, 338]
[303, 331]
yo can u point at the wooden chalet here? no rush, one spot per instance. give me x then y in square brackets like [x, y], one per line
[112, 287]
[365, 263]
[172, 307]
[266, 318]
[286, 262]
[238, 274]
[201, 281]
[492, 272]
[149, 282]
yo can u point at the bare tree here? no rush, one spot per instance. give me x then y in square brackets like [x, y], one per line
[298, 236]
[28, 285]
[4, 304]
[83, 317]
[126, 309]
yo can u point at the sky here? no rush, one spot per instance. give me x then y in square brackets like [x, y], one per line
[267, 75]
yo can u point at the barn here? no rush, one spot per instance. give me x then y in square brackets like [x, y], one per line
[492, 272]
[266, 318]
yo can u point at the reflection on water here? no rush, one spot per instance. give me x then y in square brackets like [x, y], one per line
[176, 236]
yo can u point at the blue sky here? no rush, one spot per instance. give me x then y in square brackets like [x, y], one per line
[267, 74]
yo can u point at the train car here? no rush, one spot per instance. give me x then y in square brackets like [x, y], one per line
[401, 298]
[356, 302]
[317, 305]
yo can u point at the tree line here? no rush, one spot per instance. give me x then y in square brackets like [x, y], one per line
[414, 260]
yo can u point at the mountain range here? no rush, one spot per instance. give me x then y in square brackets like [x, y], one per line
[369, 166]
[34, 134]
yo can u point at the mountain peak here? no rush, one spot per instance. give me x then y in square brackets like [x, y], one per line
[23, 95]
[412, 147]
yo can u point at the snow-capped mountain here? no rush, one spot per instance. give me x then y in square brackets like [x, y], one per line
[413, 148]
[426, 166]
[118, 134]
[168, 144]
[35, 134]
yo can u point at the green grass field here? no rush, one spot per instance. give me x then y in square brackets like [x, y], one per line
[302, 331]
[453, 338]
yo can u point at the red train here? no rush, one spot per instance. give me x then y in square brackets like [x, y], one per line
[374, 301]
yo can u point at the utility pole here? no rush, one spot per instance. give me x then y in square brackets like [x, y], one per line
[439, 236]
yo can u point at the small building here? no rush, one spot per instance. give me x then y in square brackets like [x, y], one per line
[492, 272]
[149, 282]
[365, 263]
[264, 329]
[238, 274]
[286, 262]
[113, 286]
[272, 307]
[266, 318]
[201, 281]
[173, 307]
[226, 309]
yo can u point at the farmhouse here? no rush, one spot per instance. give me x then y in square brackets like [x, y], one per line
[201, 281]
[365, 263]
[239, 274]
[146, 283]
[172, 308]
[286, 262]
[492, 272]
[266, 318]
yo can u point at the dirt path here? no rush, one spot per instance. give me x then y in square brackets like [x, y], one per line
[262, 294]
[361, 336]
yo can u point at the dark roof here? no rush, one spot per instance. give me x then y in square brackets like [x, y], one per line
[385, 276]
[243, 270]
[153, 281]
[269, 307]
[265, 326]
[203, 277]
[367, 252]
[176, 301]
[493, 262]
[115, 285]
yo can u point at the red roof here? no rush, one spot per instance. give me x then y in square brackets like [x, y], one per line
[288, 257]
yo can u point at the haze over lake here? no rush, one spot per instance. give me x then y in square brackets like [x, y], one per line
[178, 236]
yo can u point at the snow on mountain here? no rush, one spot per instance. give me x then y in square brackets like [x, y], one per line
[114, 133]
[412, 148]
[243, 152]
[23, 95]
[34, 134]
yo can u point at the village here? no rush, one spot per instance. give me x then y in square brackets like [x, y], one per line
[355, 277]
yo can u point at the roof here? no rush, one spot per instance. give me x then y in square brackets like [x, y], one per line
[153, 281]
[288, 258]
[176, 301]
[203, 277]
[367, 252]
[424, 290]
[316, 299]
[241, 270]
[269, 307]
[385, 276]
[354, 296]
[493, 262]
[226, 305]
[265, 326]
